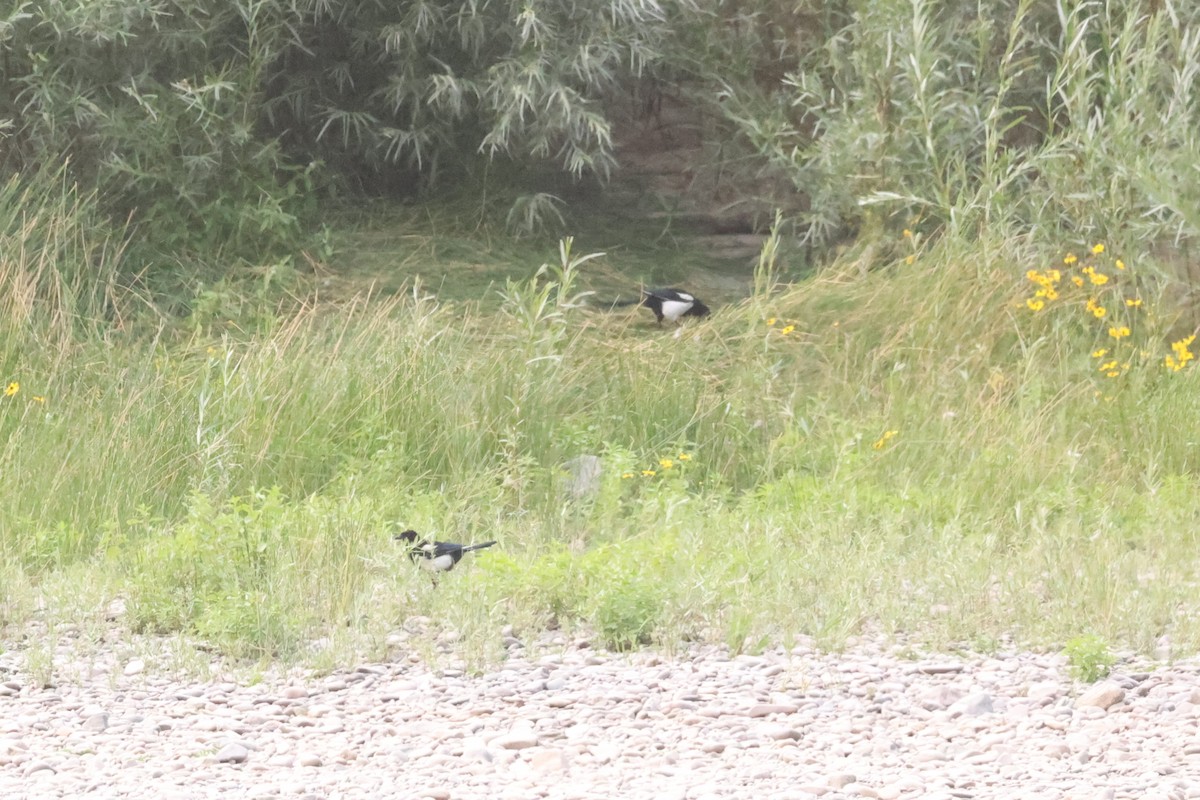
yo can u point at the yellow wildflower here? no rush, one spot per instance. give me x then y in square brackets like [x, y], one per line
[1078, 281]
[1101, 353]
[1107, 366]
[1118, 333]
[666, 463]
[37, 398]
[787, 329]
[1051, 294]
[648, 473]
[771, 321]
[1070, 259]
[1119, 264]
[12, 389]
[1098, 278]
[907, 233]
[1097, 249]
[1035, 305]
[1112, 374]
[685, 456]
[1133, 302]
[883, 440]
[909, 260]
[1033, 275]
[626, 475]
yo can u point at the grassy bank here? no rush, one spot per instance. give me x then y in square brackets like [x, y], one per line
[931, 447]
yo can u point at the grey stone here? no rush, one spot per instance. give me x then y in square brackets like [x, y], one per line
[232, 753]
[583, 475]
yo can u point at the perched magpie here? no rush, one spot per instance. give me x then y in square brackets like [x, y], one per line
[671, 304]
[436, 556]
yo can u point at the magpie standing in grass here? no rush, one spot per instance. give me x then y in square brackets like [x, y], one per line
[670, 304]
[436, 556]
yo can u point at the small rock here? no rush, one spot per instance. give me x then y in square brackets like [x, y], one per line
[939, 667]
[1102, 695]
[309, 760]
[515, 740]
[840, 780]
[232, 753]
[38, 766]
[545, 762]
[135, 667]
[781, 732]
[96, 722]
[973, 705]
[940, 697]
[767, 709]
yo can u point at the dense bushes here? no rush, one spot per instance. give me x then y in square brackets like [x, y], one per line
[212, 126]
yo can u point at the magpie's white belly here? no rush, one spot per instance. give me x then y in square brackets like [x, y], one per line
[437, 563]
[672, 310]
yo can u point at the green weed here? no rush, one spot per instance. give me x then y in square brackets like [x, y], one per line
[1089, 657]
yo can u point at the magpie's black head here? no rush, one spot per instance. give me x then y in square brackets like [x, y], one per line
[698, 310]
[409, 536]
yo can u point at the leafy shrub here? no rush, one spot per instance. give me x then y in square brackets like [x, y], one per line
[213, 574]
[1089, 657]
[627, 612]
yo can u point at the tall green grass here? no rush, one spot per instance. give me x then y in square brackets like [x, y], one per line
[242, 489]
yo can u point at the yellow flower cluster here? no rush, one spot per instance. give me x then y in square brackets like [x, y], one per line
[784, 329]
[1110, 367]
[1181, 354]
[913, 242]
[1048, 292]
[1107, 291]
[14, 387]
[664, 464]
[1050, 281]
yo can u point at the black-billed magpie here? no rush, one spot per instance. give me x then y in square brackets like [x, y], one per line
[671, 304]
[436, 556]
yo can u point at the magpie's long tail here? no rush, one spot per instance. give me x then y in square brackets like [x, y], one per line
[621, 303]
[480, 546]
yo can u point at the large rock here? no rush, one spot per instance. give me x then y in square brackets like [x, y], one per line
[1102, 695]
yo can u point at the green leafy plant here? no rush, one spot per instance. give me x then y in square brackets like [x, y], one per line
[627, 612]
[1089, 657]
